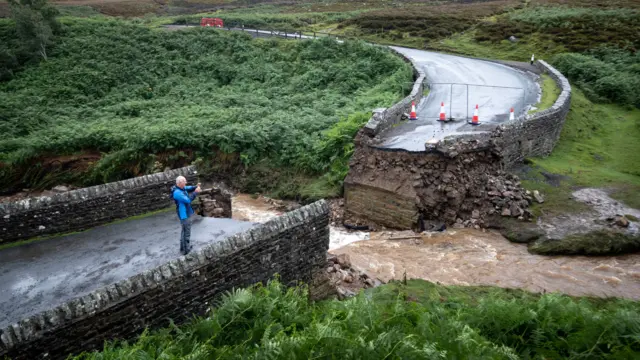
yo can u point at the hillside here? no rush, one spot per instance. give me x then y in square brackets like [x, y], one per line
[120, 97]
[117, 99]
[594, 43]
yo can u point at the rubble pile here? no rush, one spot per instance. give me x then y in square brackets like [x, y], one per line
[346, 280]
[214, 202]
[462, 185]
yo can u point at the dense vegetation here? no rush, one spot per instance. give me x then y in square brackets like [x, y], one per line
[603, 43]
[417, 321]
[30, 39]
[585, 35]
[606, 74]
[577, 29]
[126, 98]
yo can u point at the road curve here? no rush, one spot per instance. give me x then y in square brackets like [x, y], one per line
[494, 87]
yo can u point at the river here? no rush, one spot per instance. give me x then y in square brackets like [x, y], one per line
[470, 257]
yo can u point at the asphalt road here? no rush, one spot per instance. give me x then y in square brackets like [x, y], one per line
[42, 275]
[495, 88]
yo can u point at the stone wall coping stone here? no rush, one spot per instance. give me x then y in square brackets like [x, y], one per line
[102, 299]
[35, 203]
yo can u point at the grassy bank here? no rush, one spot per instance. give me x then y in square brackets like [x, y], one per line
[550, 93]
[419, 320]
[598, 147]
[117, 99]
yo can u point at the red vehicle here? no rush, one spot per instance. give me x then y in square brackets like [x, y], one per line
[215, 22]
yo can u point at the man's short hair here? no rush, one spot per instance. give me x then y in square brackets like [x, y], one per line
[180, 179]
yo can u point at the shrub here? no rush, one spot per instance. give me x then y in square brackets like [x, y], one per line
[417, 321]
[613, 79]
[577, 29]
[118, 88]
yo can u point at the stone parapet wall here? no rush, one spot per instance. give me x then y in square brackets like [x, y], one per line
[384, 118]
[88, 207]
[535, 134]
[293, 245]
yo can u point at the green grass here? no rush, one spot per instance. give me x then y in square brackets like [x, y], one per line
[466, 44]
[550, 93]
[419, 320]
[598, 147]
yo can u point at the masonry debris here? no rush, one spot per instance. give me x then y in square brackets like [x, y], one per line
[214, 202]
[461, 186]
[347, 280]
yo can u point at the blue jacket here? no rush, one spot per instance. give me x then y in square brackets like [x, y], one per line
[183, 199]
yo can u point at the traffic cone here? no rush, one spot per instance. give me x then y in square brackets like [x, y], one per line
[443, 117]
[512, 115]
[413, 115]
[475, 121]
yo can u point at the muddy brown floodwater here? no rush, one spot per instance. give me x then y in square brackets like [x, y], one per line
[469, 257]
[472, 257]
[247, 208]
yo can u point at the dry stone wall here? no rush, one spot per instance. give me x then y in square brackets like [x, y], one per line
[536, 134]
[88, 207]
[293, 245]
[382, 118]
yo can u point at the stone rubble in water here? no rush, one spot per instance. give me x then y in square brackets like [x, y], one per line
[621, 221]
[347, 280]
[605, 213]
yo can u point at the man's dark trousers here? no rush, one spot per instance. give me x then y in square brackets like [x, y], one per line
[185, 236]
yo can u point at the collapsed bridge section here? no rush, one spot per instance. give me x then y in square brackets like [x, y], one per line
[460, 179]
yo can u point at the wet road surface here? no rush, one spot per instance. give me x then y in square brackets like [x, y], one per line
[448, 76]
[39, 276]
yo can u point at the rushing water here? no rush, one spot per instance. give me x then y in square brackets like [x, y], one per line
[258, 210]
[473, 257]
[470, 257]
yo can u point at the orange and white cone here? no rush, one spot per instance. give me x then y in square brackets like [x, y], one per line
[512, 116]
[475, 121]
[443, 117]
[413, 115]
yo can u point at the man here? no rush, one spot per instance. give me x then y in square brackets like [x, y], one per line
[183, 195]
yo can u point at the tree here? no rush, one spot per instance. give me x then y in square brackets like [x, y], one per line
[35, 25]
